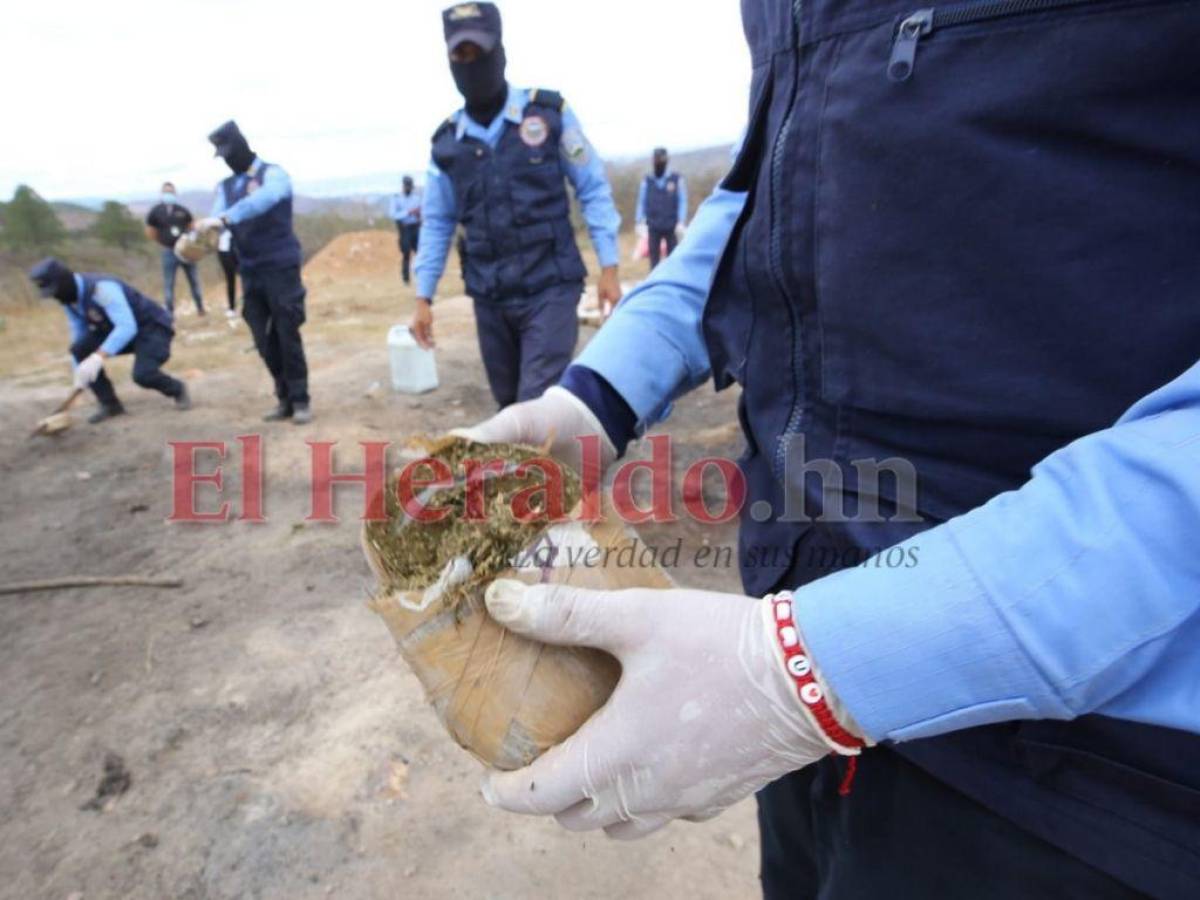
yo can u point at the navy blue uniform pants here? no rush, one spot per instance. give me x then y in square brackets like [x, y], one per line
[527, 342]
[902, 834]
[151, 348]
[656, 239]
[273, 307]
[409, 240]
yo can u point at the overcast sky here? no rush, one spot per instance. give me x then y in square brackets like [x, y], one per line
[107, 99]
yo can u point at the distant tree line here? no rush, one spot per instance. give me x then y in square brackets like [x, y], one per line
[29, 224]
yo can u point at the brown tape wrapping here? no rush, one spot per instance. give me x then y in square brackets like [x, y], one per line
[503, 697]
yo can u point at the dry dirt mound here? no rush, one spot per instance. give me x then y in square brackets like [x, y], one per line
[358, 254]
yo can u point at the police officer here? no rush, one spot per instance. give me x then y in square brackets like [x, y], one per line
[662, 207]
[500, 167]
[109, 318]
[255, 204]
[406, 213]
[953, 250]
[165, 224]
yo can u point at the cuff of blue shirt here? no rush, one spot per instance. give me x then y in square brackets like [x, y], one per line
[619, 421]
[607, 253]
[427, 287]
[914, 647]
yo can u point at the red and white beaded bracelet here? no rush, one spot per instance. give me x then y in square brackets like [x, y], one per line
[799, 667]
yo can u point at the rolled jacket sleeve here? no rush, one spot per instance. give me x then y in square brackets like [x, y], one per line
[439, 218]
[1078, 593]
[652, 350]
[585, 171]
[111, 297]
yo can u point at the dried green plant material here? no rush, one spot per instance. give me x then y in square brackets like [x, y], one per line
[413, 554]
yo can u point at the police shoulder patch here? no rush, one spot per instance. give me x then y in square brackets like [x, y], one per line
[534, 130]
[575, 147]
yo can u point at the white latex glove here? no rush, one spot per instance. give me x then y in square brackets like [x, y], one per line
[642, 230]
[680, 231]
[89, 370]
[558, 416]
[704, 714]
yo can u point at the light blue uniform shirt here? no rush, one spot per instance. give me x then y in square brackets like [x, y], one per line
[585, 171]
[682, 196]
[1078, 593]
[110, 296]
[276, 186]
[406, 209]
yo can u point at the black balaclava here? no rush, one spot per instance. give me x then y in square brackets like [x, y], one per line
[660, 163]
[239, 157]
[54, 279]
[233, 147]
[482, 84]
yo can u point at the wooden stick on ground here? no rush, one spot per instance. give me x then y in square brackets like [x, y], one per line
[61, 584]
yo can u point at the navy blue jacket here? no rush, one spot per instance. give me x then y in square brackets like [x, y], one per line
[146, 312]
[662, 203]
[265, 241]
[513, 204]
[944, 256]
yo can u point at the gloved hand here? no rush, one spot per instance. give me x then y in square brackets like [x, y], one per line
[680, 231]
[89, 370]
[705, 712]
[558, 416]
[205, 225]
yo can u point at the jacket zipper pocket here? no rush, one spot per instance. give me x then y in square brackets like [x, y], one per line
[925, 21]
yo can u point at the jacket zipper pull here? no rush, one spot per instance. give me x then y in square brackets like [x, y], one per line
[904, 49]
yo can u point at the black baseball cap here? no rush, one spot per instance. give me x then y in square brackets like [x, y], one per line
[476, 23]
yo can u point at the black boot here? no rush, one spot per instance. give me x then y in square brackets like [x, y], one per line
[184, 401]
[279, 413]
[302, 414]
[106, 412]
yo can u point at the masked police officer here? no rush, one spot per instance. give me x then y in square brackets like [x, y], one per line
[954, 248]
[109, 318]
[255, 204]
[500, 167]
[662, 207]
[406, 213]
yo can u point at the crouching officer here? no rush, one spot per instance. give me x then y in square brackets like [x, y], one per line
[500, 167]
[255, 204]
[662, 207]
[109, 318]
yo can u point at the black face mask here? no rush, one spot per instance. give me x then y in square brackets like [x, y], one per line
[482, 84]
[239, 156]
[660, 168]
[66, 291]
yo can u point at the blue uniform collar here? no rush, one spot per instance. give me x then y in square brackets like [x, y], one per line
[514, 111]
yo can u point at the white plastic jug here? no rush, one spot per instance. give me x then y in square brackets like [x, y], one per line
[413, 368]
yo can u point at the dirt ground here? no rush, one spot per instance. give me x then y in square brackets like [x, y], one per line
[271, 743]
